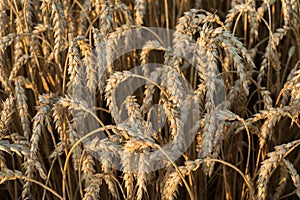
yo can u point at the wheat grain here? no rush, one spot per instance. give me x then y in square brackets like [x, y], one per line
[282, 182]
[149, 88]
[142, 177]
[106, 17]
[140, 9]
[92, 190]
[58, 119]
[294, 175]
[267, 98]
[83, 17]
[18, 64]
[88, 172]
[3, 18]
[59, 23]
[6, 115]
[268, 166]
[112, 83]
[291, 81]
[125, 10]
[18, 42]
[41, 119]
[22, 108]
[127, 175]
[172, 181]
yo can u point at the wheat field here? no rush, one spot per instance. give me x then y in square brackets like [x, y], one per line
[77, 124]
